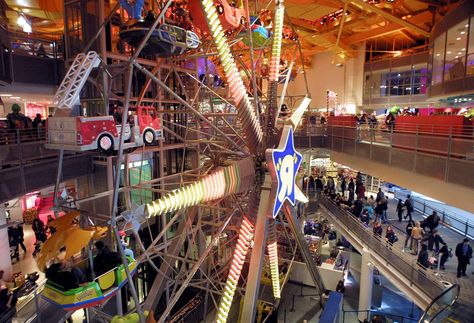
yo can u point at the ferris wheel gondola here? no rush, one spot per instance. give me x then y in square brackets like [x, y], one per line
[165, 41]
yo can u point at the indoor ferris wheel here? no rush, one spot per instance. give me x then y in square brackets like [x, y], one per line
[222, 219]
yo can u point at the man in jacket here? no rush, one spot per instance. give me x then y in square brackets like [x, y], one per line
[409, 207]
[464, 254]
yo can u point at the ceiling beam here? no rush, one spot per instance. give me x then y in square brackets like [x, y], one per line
[335, 4]
[390, 17]
[408, 35]
[342, 45]
[387, 29]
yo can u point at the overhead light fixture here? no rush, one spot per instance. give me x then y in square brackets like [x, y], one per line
[462, 32]
[463, 49]
[24, 23]
[5, 95]
[459, 38]
[449, 52]
[27, 28]
[15, 98]
[21, 21]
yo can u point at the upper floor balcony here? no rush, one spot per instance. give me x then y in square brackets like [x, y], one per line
[30, 60]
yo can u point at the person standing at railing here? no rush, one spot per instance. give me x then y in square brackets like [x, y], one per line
[464, 255]
[378, 230]
[372, 126]
[390, 122]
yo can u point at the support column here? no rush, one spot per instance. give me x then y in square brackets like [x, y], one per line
[5, 260]
[366, 282]
[249, 308]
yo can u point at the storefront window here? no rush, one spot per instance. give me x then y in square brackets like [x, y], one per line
[438, 57]
[470, 52]
[455, 55]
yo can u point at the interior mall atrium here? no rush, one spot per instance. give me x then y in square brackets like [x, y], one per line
[236, 161]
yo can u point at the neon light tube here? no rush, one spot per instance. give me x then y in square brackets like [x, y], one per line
[273, 258]
[277, 41]
[240, 252]
[211, 187]
[245, 110]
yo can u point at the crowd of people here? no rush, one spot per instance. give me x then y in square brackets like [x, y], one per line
[422, 238]
[17, 120]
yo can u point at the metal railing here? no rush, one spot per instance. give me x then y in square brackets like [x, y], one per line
[440, 304]
[407, 266]
[462, 226]
[20, 136]
[19, 147]
[25, 45]
[370, 314]
[445, 153]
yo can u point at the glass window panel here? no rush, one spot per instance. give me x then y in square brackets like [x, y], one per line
[380, 83]
[438, 57]
[455, 57]
[470, 52]
[367, 85]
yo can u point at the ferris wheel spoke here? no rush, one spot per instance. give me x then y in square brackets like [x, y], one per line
[190, 274]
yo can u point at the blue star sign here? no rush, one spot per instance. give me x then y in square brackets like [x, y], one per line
[286, 161]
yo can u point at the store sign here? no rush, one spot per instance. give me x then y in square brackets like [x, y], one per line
[286, 162]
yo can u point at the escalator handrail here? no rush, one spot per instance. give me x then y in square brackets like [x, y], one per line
[422, 318]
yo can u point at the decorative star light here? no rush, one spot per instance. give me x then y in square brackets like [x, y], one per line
[286, 162]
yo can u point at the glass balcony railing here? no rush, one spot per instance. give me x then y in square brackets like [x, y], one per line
[439, 151]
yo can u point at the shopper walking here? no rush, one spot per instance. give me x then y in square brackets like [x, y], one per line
[408, 231]
[400, 210]
[409, 207]
[464, 255]
[416, 235]
[351, 188]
